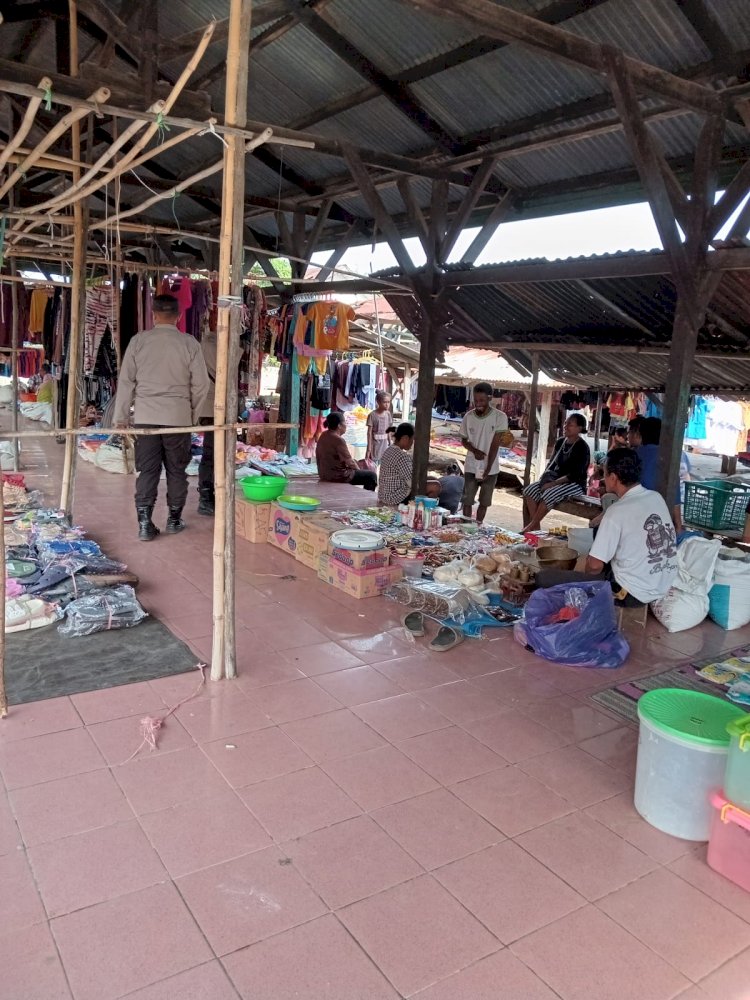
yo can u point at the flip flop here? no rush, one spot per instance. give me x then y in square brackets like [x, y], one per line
[446, 639]
[413, 622]
[20, 568]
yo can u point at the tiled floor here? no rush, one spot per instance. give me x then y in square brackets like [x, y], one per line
[353, 818]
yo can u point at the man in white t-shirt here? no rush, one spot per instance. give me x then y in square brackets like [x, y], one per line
[635, 546]
[481, 435]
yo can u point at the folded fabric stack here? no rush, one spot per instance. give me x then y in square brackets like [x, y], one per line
[103, 610]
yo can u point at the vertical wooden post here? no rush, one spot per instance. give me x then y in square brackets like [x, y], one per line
[223, 655]
[406, 393]
[14, 359]
[3, 697]
[294, 401]
[77, 293]
[533, 400]
[598, 419]
[425, 397]
[543, 440]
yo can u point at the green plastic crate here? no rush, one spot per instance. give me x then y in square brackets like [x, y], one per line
[716, 504]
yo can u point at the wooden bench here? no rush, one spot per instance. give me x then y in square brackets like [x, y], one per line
[579, 508]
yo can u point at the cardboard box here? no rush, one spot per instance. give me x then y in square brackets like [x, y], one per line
[282, 528]
[313, 533]
[361, 560]
[357, 583]
[251, 520]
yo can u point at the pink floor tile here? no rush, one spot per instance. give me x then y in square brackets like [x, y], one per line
[153, 783]
[619, 814]
[31, 966]
[321, 658]
[512, 800]
[253, 757]
[693, 868]
[21, 905]
[206, 982]
[137, 939]
[119, 739]
[195, 626]
[436, 828]
[117, 702]
[572, 719]
[298, 803]
[358, 686]
[38, 719]
[499, 977]
[371, 646]
[509, 891]
[586, 854]
[95, 866]
[10, 835]
[577, 776]
[351, 860]
[401, 717]
[294, 700]
[419, 671]
[417, 933]
[204, 832]
[461, 702]
[334, 735]
[246, 900]
[292, 634]
[68, 806]
[44, 758]
[514, 736]
[516, 687]
[173, 689]
[586, 954]
[319, 960]
[216, 718]
[618, 748]
[341, 624]
[727, 983]
[379, 777]
[451, 755]
[259, 671]
[688, 929]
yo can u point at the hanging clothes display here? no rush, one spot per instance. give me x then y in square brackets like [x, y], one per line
[330, 323]
[135, 307]
[6, 312]
[99, 318]
[37, 307]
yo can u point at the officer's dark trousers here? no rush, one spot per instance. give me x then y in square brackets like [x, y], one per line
[154, 452]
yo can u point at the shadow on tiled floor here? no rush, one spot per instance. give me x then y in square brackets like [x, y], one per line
[353, 818]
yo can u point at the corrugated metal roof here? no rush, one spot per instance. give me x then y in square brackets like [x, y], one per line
[732, 16]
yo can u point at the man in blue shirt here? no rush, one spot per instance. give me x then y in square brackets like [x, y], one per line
[644, 434]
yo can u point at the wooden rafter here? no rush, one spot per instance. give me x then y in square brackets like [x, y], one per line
[711, 33]
[487, 230]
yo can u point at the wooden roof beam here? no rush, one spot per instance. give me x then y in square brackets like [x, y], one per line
[396, 93]
[263, 13]
[492, 19]
[713, 36]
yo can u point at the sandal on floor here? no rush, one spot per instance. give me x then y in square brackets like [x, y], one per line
[413, 622]
[446, 639]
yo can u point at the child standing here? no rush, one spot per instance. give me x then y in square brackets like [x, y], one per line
[378, 422]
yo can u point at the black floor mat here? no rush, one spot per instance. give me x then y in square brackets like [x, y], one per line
[44, 664]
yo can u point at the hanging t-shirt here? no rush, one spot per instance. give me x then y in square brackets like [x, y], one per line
[330, 322]
[637, 537]
[479, 430]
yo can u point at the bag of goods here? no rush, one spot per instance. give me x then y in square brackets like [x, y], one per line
[686, 603]
[729, 598]
[576, 626]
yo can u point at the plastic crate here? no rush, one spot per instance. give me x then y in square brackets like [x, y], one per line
[716, 504]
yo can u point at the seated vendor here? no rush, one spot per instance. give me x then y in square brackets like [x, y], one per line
[635, 547]
[394, 483]
[335, 462]
[447, 490]
[45, 392]
[644, 434]
[564, 478]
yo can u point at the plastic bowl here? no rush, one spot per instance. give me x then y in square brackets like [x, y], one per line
[412, 568]
[263, 489]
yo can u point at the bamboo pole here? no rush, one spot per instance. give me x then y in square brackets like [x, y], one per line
[179, 188]
[24, 128]
[3, 696]
[77, 296]
[533, 401]
[14, 364]
[139, 431]
[223, 653]
[68, 122]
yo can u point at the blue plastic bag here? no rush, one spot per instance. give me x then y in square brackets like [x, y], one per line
[591, 640]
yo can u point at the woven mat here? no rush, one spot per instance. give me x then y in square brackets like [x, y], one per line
[623, 698]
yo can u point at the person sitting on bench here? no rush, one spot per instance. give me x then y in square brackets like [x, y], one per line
[635, 547]
[564, 478]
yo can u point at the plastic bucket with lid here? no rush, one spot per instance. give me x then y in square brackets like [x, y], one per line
[737, 780]
[729, 846]
[683, 746]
